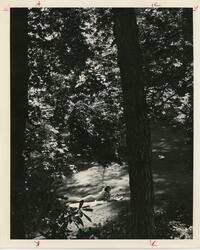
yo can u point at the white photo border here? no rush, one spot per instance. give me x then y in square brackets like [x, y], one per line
[5, 241]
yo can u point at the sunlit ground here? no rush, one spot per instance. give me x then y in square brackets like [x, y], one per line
[172, 175]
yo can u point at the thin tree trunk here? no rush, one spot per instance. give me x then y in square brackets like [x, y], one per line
[138, 131]
[19, 82]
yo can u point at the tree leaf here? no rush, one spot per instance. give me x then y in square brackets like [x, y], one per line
[87, 217]
[87, 209]
[81, 204]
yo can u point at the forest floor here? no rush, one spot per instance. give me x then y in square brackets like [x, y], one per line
[173, 184]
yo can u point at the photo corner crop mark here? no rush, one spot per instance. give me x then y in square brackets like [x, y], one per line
[153, 243]
[155, 5]
[195, 8]
[38, 4]
[37, 243]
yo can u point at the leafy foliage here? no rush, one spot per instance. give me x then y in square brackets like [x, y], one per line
[75, 98]
[120, 228]
[166, 41]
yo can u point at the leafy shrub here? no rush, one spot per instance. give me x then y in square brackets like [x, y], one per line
[50, 214]
[169, 228]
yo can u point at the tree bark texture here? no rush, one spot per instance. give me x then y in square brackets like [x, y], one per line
[19, 82]
[138, 131]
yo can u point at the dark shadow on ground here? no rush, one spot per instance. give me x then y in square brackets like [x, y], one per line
[173, 181]
[173, 177]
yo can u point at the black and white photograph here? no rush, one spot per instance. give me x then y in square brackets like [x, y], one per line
[101, 110]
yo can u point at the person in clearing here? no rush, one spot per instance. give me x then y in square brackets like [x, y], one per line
[103, 195]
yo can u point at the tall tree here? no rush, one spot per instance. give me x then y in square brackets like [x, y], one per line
[138, 131]
[19, 82]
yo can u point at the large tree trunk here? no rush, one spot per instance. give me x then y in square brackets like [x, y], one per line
[138, 131]
[19, 82]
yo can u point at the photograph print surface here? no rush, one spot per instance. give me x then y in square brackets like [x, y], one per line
[101, 123]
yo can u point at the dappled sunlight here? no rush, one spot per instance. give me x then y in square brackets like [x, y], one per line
[92, 180]
[158, 179]
[159, 192]
[88, 112]
[172, 182]
[161, 157]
